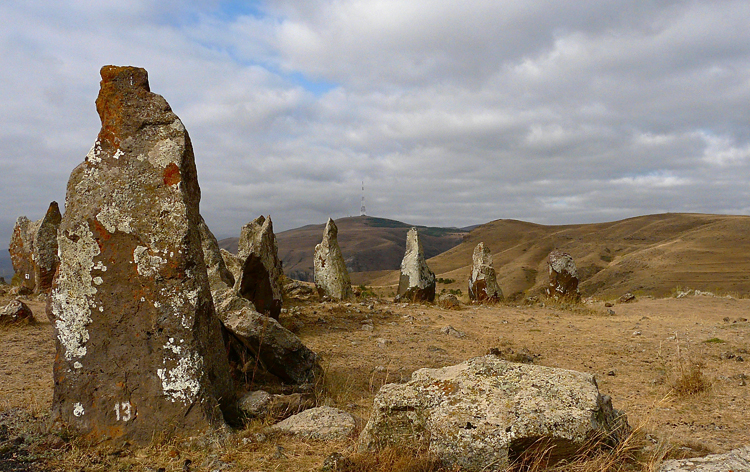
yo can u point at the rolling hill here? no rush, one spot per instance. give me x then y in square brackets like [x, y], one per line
[652, 254]
[368, 244]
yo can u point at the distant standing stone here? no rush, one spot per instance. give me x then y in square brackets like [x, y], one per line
[417, 281]
[331, 276]
[16, 312]
[46, 259]
[260, 278]
[139, 347]
[563, 276]
[483, 281]
[22, 253]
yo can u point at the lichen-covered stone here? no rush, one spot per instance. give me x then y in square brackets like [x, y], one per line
[252, 335]
[22, 253]
[331, 277]
[483, 413]
[417, 282]
[483, 281]
[563, 276]
[735, 460]
[16, 312]
[260, 277]
[323, 422]
[46, 259]
[139, 346]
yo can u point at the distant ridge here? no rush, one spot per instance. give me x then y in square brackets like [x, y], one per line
[368, 244]
[653, 254]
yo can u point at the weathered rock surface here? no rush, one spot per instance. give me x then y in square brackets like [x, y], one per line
[449, 301]
[260, 277]
[736, 460]
[46, 259]
[563, 276]
[483, 413]
[139, 346]
[261, 404]
[252, 334]
[16, 312]
[483, 280]
[331, 276]
[22, 253]
[318, 423]
[417, 282]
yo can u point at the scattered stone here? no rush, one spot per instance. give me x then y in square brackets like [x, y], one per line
[563, 276]
[484, 413]
[318, 423]
[523, 356]
[735, 460]
[417, 282]
[16, 312]
[261, 277]
[449, 301]
[612, 373]
[611, 312]
[451, 331]
[255, 404]
[367, 327]
[304, 291]
[260, 404]
[483, 280]
[608, 305]
[627, 298]
[382, 342]
[139, 347]
[334, 462]
[331, 276]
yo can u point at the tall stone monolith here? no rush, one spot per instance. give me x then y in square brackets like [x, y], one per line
[330, 274]
[261, 277]
[46, 259]
[417, 281]
[483, 280]
[139, 347]
[563, 276]
[21, 251]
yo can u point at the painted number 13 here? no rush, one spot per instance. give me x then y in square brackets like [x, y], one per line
[122, 411]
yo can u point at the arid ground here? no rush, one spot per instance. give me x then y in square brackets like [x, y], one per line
[638, 352]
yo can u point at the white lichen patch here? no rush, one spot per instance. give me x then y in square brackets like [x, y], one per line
[94, 153]
[166, 151]
[98, 280]
[148, 265]
[77, 365]
[118, 154]
[100, 266]
[180, 382]
[114, 220]
[78, 410]
[72, 298]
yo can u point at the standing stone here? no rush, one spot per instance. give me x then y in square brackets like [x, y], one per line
[483, 281]
[331, 276]
[261, 276]
[46, 259]
[139, 348]
[16, 312]
[563, 277]
[417, 282]
[22, 253]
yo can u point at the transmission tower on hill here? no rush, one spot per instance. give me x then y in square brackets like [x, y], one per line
[362, 211]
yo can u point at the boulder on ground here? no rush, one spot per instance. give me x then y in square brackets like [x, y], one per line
[485, 412]
[254, 339]
[735, 460]
[483, 281]
[417, 282]
[318, 423]
[261, 404]
[22, 253]
[16, 312]
[449, 301]
[139, 346]
[260, 276]
[563, 276]
[331, 276]
[46, 259]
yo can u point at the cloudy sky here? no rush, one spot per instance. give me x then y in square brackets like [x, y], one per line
[452, 112]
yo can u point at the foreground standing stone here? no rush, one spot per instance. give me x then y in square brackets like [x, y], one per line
[260, 277]
[331, 276]
[484, 413]
[22, 253]
[417, 282]
[563, 276]
[483, 281]
[139, 347]
[46, 259]
[736, 460]
[255, 340]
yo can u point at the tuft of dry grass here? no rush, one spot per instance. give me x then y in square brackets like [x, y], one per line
[691, 380]
[390, 459]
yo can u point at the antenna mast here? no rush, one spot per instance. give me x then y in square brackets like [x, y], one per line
[362, 211]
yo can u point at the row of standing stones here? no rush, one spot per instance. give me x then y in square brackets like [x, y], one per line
[153, 321]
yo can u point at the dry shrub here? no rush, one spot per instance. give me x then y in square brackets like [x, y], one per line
[691, 380]
[392, 459]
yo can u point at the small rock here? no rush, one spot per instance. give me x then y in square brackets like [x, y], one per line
[382, 342]
[449, 301]
[612, 373]
[627, 298]
[608, 305]
[255, 404]
[16, 312]
[451, 331]
[318, 423]
[611, 312]
[367, 327]
[335, 461]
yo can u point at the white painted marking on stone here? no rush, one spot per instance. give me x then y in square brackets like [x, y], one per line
[123, 411]
[27, 276]
[78, 410]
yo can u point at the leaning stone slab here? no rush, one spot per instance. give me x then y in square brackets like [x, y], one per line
[417, 281]
[483, 280]
[331, 276]
[736, 460]
[483, 413]
[318, 423]
[139, 346]
[260, 277]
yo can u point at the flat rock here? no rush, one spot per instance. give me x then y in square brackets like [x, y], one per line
[736, 460]
[318, 423]
[331, 277]
[417, 281]
[485, 412]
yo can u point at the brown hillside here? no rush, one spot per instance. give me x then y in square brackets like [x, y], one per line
[367, 243]
[651, 254]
